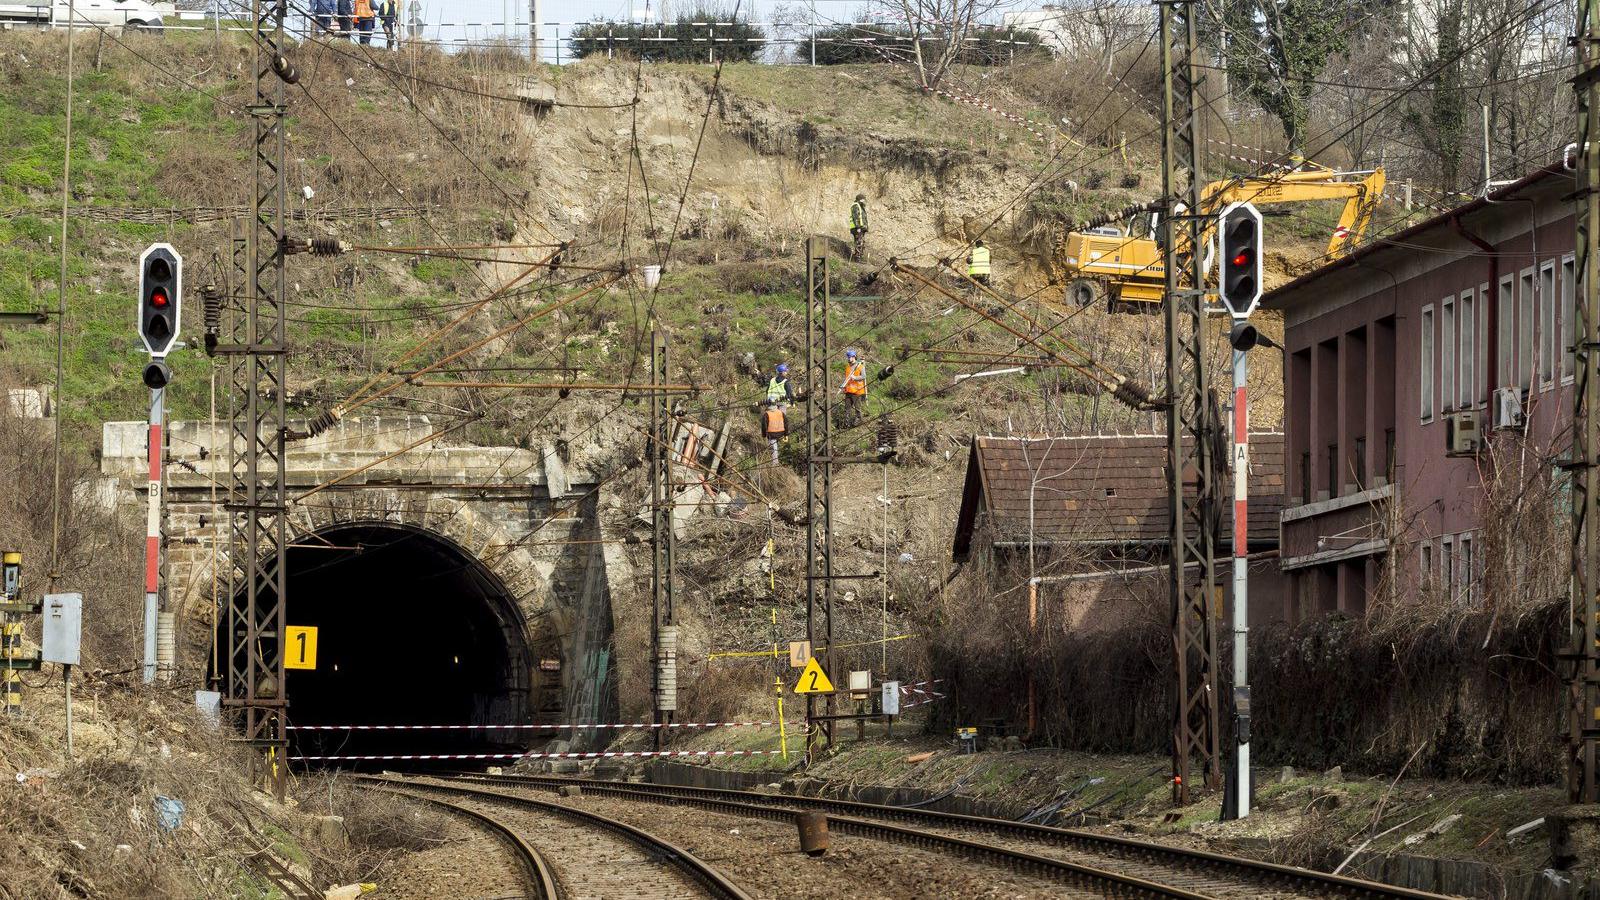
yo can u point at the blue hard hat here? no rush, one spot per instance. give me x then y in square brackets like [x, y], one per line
[783, 368]
[850, 354]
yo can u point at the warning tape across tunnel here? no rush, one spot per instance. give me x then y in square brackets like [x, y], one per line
[384, 757]
[535, 727]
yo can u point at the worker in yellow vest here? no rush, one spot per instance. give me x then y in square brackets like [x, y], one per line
[978, 263]
[854, 388]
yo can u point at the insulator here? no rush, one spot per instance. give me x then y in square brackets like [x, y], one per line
[1132, 393]
[283, 68]
[323, 421]
[327, 247]
[211, 304]
[888, 434]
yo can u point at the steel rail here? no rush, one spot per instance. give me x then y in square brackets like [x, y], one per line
[540, 876]
[1270, 874]
[1115, 884]
[717, 884]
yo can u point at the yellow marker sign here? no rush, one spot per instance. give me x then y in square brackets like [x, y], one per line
[301, 652]
[813, 680]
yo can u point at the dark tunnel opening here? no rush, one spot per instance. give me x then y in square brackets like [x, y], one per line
[411, 630]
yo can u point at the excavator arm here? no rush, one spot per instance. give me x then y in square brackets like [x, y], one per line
[1317, 183]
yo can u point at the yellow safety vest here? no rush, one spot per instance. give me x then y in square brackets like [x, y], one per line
[858, 215]
[777, 390]
[978, 261]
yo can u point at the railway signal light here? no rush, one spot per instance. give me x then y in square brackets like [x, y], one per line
[1239, 238]
[160, 298]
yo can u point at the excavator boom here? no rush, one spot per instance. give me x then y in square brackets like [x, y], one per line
[1101, 264]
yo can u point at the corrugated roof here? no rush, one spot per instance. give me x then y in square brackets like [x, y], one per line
[1098, 489]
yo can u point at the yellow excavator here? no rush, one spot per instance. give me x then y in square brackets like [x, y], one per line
[1117, 258]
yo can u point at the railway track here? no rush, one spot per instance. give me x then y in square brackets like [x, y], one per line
[540, 876]
[604, 860]
[1124, 864]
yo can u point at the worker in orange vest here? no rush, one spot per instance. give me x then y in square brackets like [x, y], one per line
[780, 392]
[365, 19]
[854, 388]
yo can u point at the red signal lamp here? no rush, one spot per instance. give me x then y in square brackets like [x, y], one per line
[1242, 259]
[158, 298]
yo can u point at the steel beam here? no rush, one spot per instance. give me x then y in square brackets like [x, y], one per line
[1582, 669]
[1192, 428]
[257, 433]
[663, 559]
[819, 487]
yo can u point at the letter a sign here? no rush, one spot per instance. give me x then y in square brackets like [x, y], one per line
[813, 680]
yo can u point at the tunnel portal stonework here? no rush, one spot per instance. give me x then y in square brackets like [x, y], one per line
[529, 520]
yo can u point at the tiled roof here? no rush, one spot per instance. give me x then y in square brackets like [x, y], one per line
[1107, 489]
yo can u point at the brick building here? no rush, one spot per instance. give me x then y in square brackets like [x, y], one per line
[1402, 360]
[1102, 500]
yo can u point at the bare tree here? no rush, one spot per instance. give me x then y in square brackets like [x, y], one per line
[937, 30]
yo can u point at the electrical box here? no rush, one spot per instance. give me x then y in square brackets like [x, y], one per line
[860, 684]
[62, 628]
[890, 705]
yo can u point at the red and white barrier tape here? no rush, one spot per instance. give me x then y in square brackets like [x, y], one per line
[632, 753]
[530, 727]
[973, 100]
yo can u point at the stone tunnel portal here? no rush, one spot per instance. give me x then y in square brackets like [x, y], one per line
[411, 630]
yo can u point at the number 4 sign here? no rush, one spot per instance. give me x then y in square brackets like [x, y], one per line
[301, 652]
[813, 680]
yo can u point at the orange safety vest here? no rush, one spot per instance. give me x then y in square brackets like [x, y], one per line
[363, 9]
[855, 378]
[773, 421]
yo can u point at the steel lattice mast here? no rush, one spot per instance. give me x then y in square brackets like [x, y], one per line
[1583, 658]
[1192, 429]
[257, 433]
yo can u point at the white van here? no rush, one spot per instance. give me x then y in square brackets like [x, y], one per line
[121, 13]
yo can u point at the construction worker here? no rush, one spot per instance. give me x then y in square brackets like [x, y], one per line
[858, 227]
[854, 388]
[780, 393]
[978, 263]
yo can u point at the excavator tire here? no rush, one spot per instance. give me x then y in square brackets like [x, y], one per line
[1085, 292]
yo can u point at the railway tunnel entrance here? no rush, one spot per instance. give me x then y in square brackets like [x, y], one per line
[412, 630]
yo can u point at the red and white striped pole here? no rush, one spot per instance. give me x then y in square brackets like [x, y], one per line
[1241, 576]
[152, 535]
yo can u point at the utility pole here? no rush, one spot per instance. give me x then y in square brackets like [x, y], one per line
[819, 487]
[663, 553]
[1583, 658]
[257, 427]
[1192, 433]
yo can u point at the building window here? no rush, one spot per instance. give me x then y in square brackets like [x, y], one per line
[1468, 360]
[1388, 454]
[1464, 577]
[1547, 325]
[1506, 334]
[1447, 568]
[1361, 463]
[1447, 353]
[1569, 317]
[1427, 364]
[1305, 477]
[1425, 562]
[1525, 330]
[1333, 470]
